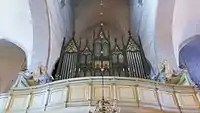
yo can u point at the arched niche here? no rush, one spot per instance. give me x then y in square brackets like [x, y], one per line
[189, 56]
[12, 60]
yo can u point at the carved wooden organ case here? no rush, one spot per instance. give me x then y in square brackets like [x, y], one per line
[98, 58]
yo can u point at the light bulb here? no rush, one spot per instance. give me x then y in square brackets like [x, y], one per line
[101, 13]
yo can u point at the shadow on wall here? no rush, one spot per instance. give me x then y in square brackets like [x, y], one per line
[12, 60]
[55, 69]
[189, 55]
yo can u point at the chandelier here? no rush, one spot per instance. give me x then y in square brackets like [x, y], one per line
[105, 106]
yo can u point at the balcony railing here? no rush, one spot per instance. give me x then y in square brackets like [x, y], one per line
[82, 92]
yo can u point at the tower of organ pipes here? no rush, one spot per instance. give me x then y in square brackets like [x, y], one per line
[100, 55]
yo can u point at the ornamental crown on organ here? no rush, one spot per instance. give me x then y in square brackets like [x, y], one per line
[102, 54]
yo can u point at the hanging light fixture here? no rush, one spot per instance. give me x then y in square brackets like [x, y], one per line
[101, 12]
[103, 105]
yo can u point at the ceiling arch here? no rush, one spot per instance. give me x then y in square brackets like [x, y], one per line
[21, 46]
[189, 41]
[186, 23]
[12, 59]
[163, 32]
[189, 56]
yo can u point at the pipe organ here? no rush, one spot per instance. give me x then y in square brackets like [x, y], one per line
[101, 56]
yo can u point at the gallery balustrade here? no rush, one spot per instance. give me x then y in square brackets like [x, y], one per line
[84, 92]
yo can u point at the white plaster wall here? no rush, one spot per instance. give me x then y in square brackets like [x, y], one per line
[61, 22]
[11, 60]
[164, 42]
[186, 23]
[51, 24]
[143, 20]
[16, 25]
[40, 33]
[27, 24]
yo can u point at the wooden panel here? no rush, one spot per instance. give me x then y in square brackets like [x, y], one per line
[83, 91]
[97, 92]
[187, 100]
[57, 96]
[3, 103]
[19, 102]
[78, 93]
[167, 99]
[147, 95]
[126, 93]
[38, 100]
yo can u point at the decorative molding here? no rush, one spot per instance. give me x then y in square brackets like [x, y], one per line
[75, 92]
[126, 93]
[83, 92]
[49, 33]
[151, 98]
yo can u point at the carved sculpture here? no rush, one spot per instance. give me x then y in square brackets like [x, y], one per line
[179, 77]
[161, 77]
[39, 76]
[170, 76]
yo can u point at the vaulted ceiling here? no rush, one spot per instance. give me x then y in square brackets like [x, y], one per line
[87, 16]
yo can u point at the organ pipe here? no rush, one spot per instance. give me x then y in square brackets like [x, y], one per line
[101, 54]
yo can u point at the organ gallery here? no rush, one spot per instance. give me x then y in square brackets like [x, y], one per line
[100, 55]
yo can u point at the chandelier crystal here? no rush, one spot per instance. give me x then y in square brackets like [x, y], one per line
[105, 106]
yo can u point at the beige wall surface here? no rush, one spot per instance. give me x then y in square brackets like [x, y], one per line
[11, 61]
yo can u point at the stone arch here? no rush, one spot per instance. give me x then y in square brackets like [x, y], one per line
[51, 22]
[12, 59]
[41, 33]
[18, 45]
[185, 23]
[163, 37]
[187, 41]
[189, 55]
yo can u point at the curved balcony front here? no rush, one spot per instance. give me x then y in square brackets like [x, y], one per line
[77, 94]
